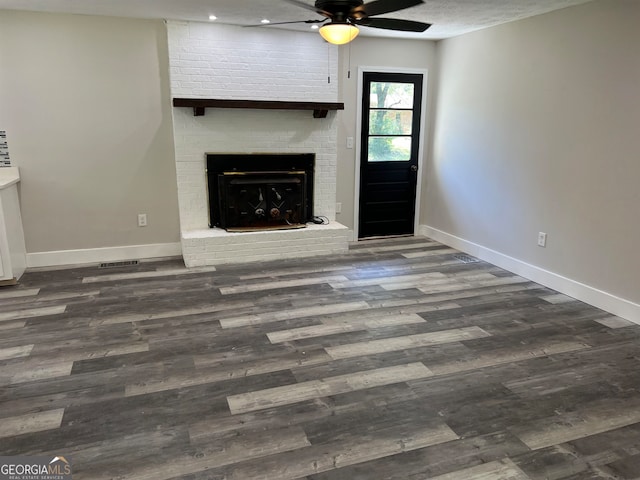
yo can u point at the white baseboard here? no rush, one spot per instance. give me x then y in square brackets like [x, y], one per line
[585, 293]
[97, 255]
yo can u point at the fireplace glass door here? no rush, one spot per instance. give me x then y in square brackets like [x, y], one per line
[262, 200]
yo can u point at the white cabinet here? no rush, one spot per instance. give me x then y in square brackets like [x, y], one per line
[13, 259]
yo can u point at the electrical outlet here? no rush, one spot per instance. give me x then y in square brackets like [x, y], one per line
[142, 219]
[339, 207]
[542, 239]
[349, 142]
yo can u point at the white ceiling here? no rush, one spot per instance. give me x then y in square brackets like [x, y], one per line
[449, 17]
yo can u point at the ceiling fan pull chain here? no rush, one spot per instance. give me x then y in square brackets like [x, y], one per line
[329, 63]
[349, 69]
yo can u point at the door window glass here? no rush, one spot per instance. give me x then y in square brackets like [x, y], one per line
[389, 149]
[390, 121]
[392, 95]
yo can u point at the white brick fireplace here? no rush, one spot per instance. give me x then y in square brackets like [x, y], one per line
[226, 62]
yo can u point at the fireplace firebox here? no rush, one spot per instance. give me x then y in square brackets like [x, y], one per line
[261, 200]
[250, 192]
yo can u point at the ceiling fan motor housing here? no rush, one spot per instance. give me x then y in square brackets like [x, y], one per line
[341, 10]
[356, 13]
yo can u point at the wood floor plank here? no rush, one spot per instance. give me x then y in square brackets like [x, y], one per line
[558, 298]
[333, 328]
[349, 451]
[434, 460]
[429, 253]
[557, 380]
[143, 317]
[554, 462]
[271, 273]
[52, 337]
[498, 470]
[483, 283]
[221, 374]
[34, 372]
[11, 325]
[85, 353]
[227, 452]
[606, 447]
[102, 454]
[278, 316]
[385, 247]
[50, 299]
[280, 284]
[457, 296]
[615, 322]
[628, 468]
[31, 313]
[387, 280]
[286, 395]
[476, 278]
[404, 342]
[35, 422]
[12, 292]
[15, 352]
[506, 357]
[581, 423]
[144, 275]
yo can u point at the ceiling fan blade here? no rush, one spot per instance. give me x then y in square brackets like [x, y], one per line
[379, 7]
[394, 24]
[299, 3]
[285, 23]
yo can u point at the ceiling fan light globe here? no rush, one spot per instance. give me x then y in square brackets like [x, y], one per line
[339, 33]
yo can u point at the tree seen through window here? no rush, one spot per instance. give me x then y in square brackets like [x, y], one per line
[390, 121]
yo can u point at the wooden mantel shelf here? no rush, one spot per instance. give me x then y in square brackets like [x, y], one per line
[320, 109]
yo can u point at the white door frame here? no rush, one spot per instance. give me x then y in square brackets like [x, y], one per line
[423, 140]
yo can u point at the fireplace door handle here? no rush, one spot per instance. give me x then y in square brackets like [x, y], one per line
[414, 168]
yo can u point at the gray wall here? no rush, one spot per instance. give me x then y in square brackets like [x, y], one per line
[85, 101]
[538, 129]
[373, 52]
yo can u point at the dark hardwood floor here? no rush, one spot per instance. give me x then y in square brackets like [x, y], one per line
[397, 361]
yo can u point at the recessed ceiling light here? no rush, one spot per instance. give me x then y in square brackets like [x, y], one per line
[264, 20]
[212, 17]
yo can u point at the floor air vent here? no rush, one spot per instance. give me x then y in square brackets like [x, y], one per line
[126, 263]
[465, 258]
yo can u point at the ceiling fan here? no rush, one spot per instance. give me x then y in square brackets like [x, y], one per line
[344, 16]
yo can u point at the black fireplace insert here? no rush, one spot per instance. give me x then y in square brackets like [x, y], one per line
[260, 191]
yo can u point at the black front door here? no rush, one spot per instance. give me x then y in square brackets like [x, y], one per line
[390, 141]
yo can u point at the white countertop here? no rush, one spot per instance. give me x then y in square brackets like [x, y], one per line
[8, 176]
